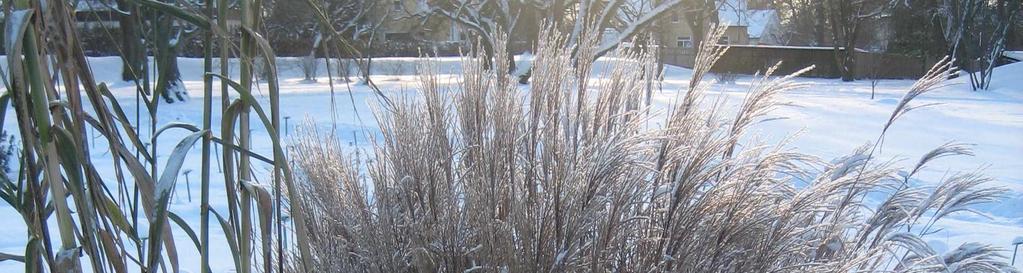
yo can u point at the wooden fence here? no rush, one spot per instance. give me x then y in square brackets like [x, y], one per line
[744, 59]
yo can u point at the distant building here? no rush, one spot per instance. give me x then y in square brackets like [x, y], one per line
[761, 26]
[93, 14]
[405, 23]
[407, 26]
[748, 22]
[98, 14]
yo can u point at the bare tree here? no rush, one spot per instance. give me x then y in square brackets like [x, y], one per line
[805, 21]
[332, 28]
[847, 21]
[487, 19]
[289, 22]
[975, 32]
[627, 17]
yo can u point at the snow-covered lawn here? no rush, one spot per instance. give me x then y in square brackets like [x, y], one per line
[830, 119]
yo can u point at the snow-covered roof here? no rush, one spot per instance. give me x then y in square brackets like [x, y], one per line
[733, 13]
[94, 5]
[1015, 55]
[759, 20]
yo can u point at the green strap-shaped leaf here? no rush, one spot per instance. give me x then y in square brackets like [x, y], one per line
[174, 162]
[17, 23]
[67, 260]
[264, 209]
[124, 121]
[116, 216]
[162, 192]
[188, 230]
[9, 193]
[174, 125]
[230, 235]
[184, 226]
[5, 100]
[112, 253]
[280, 162]
[11, 257]
[68, 152]
[33, 255]
[193, 128]
[247, 97]
[15, 30]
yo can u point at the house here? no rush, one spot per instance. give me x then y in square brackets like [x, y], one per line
[748, 22]
[403, 21]
[99, 14]
[410, 25]
[94, 14]
[761, 25]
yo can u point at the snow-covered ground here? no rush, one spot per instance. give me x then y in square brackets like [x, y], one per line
[832, 118]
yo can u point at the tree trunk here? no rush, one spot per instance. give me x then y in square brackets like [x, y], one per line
[171, 77]
[843, 34]
[1006, 14]
[131, 43]
[820, 23]
[699, 32]
[168, 84]
[848, 64]
[696, 22]
[366, 64]
[490, 55]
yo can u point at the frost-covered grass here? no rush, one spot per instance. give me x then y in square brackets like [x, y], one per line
[564, 175]
[833, 118]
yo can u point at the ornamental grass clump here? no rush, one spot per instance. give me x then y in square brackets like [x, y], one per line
[579, 174]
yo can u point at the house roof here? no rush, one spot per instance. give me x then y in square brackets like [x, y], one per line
[734, 13]
[759, 21]
[1015, 55]
[94, 5]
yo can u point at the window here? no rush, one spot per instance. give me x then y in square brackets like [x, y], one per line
[684, 42]
[397, 5]
[398, 37]
[674, 17]
[724, 41]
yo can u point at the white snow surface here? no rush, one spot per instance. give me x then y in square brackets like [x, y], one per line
[829, 120]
